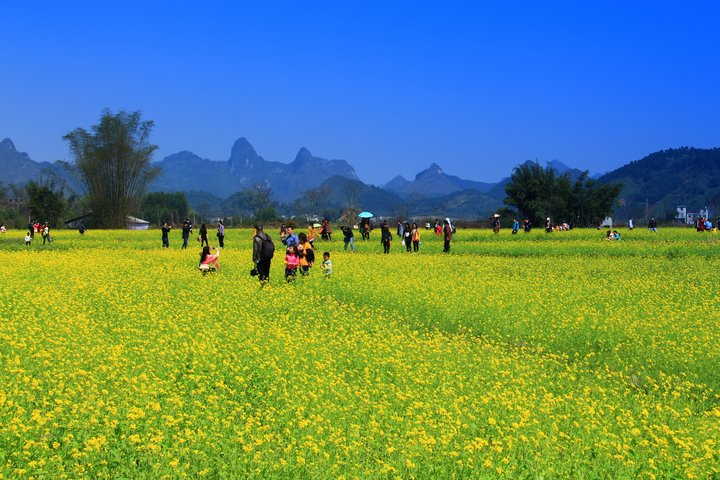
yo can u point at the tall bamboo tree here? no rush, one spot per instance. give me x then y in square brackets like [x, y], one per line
[114, 162]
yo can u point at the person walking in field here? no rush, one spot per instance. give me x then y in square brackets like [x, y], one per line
[548, 225]
[221, 234]
[311, 234]
[263, 251]
[326, 265]
[186, 232]
[46, 234]
[496, 223]
[204, 236]
[165, 235]
[385, 237]
[407, 237]
[516, 226]
[291, 240]
[292, 261]
[447, 235]
[28, 238]
[652, 225]
[306, 254]
[326, 230]
[415, 235]
[348, 237]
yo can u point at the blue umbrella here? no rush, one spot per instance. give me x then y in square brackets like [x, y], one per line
[365, 215]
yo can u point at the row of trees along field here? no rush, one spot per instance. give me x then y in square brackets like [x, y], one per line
[114, 161]
[538, 193]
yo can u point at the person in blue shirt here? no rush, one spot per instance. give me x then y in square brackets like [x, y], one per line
[291, 240]
[516, 226]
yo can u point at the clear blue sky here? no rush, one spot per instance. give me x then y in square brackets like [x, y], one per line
[477, 87]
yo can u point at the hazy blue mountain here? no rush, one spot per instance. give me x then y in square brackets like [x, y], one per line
[662, 180]
[184, 171]
[244, 169]
[384, 203]
[397, 184]
[468, 204]
[307, 172]
[369, 197]
[18, 168]
[434, 182]
[562, 169]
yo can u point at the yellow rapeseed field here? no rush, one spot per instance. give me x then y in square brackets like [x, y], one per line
[527, 356]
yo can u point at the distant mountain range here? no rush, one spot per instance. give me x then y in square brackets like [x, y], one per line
[657, 182]
[185, 171]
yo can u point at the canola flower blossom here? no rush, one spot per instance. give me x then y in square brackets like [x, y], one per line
[512, 357]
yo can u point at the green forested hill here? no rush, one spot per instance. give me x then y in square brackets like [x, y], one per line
[666, 179]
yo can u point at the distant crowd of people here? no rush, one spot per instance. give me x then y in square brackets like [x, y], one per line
[299, 248]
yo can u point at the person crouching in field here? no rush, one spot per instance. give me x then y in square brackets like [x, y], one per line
[209, 262]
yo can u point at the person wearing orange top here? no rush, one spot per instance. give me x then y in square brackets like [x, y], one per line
[306, 254]
[311, 234]
[415, 233]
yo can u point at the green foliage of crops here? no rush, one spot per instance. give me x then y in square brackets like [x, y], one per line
[530, 356]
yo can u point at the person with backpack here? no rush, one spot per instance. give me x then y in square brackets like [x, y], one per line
[263, 251]
[348, 237]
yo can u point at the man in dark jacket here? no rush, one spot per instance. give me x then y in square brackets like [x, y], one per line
[260, 255]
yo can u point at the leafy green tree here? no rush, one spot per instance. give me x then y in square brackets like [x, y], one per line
[253, 202]
[314, 201]
[45, 203]
[162, 207]
[530, 191]
[592, 201]
[538, 192]
[114, 162]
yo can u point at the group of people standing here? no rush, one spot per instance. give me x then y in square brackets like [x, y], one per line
[42, 228]
[299, 251]
[410, 235]
[299, 254]
[187, 231]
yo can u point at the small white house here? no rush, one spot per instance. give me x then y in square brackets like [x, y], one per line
[681, 213]
[134, 223]
[689, 218]
[607, 223]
